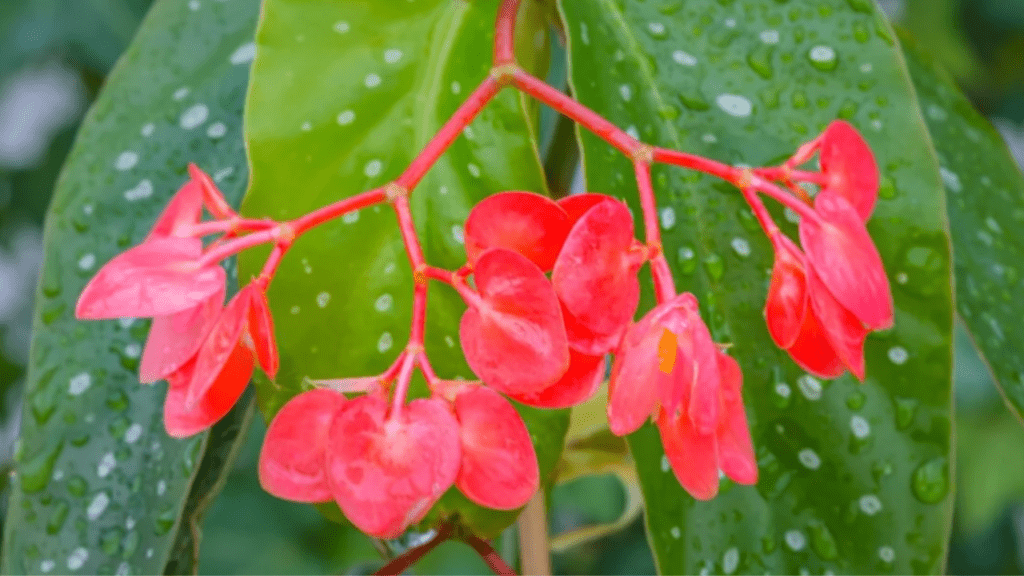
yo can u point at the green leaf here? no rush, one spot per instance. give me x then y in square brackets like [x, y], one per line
[853, 477]
[985, 200]
[340, 104]
[100, 487]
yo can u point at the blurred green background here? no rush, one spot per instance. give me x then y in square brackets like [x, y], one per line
[54, 55]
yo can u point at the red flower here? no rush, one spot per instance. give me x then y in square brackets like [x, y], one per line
[512, 333]
[847, 163]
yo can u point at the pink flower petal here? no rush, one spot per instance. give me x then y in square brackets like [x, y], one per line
[175, 339]
[156, 278]
[386, 473]
[847, 161]
[594, 276]
[844, 257]
[183, 211]
[735, 448]
[523, 222]
[499, 464]
[577, 205]
[220, 397]
[693, 456]
[220, 345]
[261, 329]
[579, 383]
[294, 455]
[514, 338]
[844, 332]
[636, 379]
[813, 352]
[786, 304]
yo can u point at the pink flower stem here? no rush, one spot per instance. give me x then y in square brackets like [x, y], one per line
[439, 274]
[232, 224]
[761, 213]
[489, 555]
[701, 164]
[581, 114]
[402, 388]
[363, 200]
[664, 287]
[505, 32]
[232, 247]
[451, 129]
[818, 178]
[788, 200]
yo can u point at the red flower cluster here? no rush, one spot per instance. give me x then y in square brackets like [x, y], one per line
[824, 300]
[205, 350]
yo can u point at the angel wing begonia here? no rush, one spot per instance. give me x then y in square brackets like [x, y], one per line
[523, 222]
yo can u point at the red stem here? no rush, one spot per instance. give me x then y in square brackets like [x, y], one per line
[410, 556]
[339, 208]
[760, 184]
[232, 224]
[419, 315]
[404, 378]
[706, 165]
[463, 116]
[439, 274]
[490, 555]
[761, 213]
[664, 287]
[505, 32]
[232, 247]
[581, 114]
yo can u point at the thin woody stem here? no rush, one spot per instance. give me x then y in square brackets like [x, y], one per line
[505, 32]
[699, 163]
[339, 208]
[451, 129]
[490, 556]
[410, 556]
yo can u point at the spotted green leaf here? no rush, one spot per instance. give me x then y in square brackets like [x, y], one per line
[985, 200]
[100, 487]
[853, 477]
[341, 103]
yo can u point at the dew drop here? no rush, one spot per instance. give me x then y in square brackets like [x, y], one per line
[859, 426]
[341, 27]
[456, 87]
[951, 180]
[47, 565]
[194, 116]
[886, 554]
[769, 36]
[392, 55]
[796, 540]
[474, 170]
[675, 532]
[373, 168]
[87, 261]
[668, 217]
[715, 266]
[810, 387]
[869, 504]
[823, 58]
[322, 299]
[809, 458]
[106, 465]
[687, 259]
[665, 464]
[77, 558]
[180, 94]
[931, 481]
[79, 383]
[657, 30]
[97, 506]
[350, 218]
[126, 161]
[244, 54]
[385, 342]
[684, 58]
[741, 247]
[626, 92]
[133, 433]
[140, 192]
[730, 560]
[734, 105]
[147, 130]
[383, 303]
[217, 130]
[458, 233]
[898, 355]
[345, 118]
[372, 80]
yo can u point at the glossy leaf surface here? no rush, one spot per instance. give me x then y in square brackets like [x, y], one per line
[100, 487]
[985, 200]
[362, 100]
[853, 478]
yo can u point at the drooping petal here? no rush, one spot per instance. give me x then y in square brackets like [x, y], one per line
[844, 332]
[636, 380]
[813, 351]
[513, 337]
[786, 304]
[261, 329]
[173, 340]
[385, 473]
[579, 383]
[735, 447]
[576, 205]
[220, 345]
[595, 275]
[844, 257]
[693, 456]
[523, 222]
[499, 464]
[156, 278]
[847, 161]
[221, 396]
[293, 459]
[183, 211]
